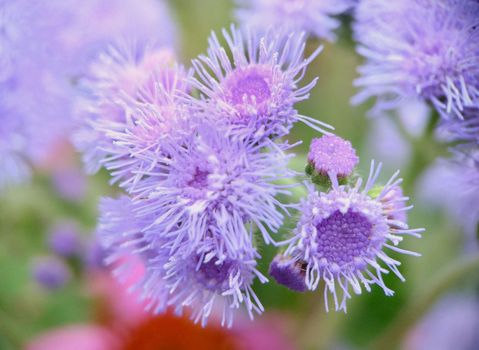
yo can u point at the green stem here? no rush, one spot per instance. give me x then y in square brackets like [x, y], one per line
[417, 307]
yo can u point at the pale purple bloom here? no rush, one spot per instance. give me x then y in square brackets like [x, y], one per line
[330, 154]
[460, 175]
[451, 324]
[251, 84]
[342, 236]
[385, 141]
[122, 82]
[200, 277]
[425, 48]
[465, 131]
[70, 183]
[315, 17]
[65, 240]
[40, 92]
[214, 184]
[50, 273]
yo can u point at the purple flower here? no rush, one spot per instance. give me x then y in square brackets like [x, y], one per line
[333, 155]
[424, 48]
[451, 324]
[128, 86]
[40, 93]
[464, 130]
[64, 240]
[461, 200]
[13, 165]
[311, 16]
[289, 273]
[201, 277]
[50, 273]
[252, 85]
[216, 182]
[342, 235]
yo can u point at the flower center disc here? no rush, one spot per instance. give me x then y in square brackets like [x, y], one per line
[343, 237]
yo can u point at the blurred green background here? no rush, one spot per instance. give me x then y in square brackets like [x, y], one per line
[27, 212]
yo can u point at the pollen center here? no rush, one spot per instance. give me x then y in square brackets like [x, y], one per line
[248, 86]
[199, 179]
[343, 237]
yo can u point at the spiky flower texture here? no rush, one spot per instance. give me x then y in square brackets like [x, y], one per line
[425, 48]
[342, 235]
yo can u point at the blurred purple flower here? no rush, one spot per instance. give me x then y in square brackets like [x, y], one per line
[70, 183]
[126, 83]
[253, 88]
[425, 48]
[39, 93]
[201, 277]
[64, 240]
[344, 232]
[314, 17]
[451, 324]
[461, 200]
[50, 273]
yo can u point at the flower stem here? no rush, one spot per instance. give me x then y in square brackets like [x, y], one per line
[417, 307]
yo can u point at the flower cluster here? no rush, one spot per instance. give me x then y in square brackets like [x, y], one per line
[37, 95]
[311, 16]
[341, 236]
[422, 48]
[204, 174]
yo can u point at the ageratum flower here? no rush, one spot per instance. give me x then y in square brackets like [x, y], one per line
[198, 280]
[451, 323]
[342, 236]
[201, 278]
[40, 92]
[215, 183]
[50, 272]
[330, 154]
[314, 17]
[425, 48]
[464, 131]
[253, 84]
[461, 200]
[120, 83]
[13, 166]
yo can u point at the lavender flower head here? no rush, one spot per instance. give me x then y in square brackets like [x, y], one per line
[424, 48]
[120, 82]
[311, 16]
[50, 273]
[451, 324]
[64, 240]
[201, 279]
[216, 183]
[342, 234]
[40, 92]
[256, 89]
[332, 155]
[461, 200]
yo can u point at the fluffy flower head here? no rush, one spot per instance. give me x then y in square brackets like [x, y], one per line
[419, 47]
[311, 16]
[343, 233]
[252, 84]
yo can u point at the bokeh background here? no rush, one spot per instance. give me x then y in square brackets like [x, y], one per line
[28, 212]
